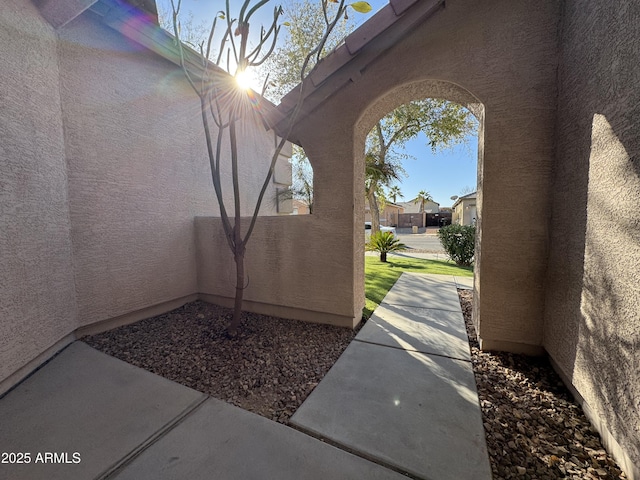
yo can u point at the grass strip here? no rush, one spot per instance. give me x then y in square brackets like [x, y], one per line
[379, 276]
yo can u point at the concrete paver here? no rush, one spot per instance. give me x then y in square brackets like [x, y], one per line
[220, 441]
[424, 291]
[403, 395]
[104, 418]
[88, 403]
[438, 332]
[417, 412]
[404, 391]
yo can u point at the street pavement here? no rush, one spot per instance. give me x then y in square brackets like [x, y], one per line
[427, 241]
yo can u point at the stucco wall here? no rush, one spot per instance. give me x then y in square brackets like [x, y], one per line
[291, 270]
[103, 171]
[490, 54]
[138, 173]
[37, 296]
[592, 318]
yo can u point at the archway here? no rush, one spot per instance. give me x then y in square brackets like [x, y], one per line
[459, 53]
[419, 90]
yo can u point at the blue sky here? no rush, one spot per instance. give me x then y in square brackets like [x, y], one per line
[443, 174]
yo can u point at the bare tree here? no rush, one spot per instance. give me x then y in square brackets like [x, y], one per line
[225, 107]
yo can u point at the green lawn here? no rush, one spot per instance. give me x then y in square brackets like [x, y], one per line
[379, 277]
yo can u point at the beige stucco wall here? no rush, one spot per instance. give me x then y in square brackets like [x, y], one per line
[465, 212]
[592, 315]
[479, 54]
[103, 170]
[291, 270]
[138, 173]
[37, 295]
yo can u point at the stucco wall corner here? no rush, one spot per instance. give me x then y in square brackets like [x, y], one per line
[37, 295]
[592, 325]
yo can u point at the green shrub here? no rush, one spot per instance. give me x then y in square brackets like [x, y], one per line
[459, 242]
[383, 243]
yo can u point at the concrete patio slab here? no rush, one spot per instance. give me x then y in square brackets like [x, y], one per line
[91, 410]
[420, 329]
[220, 441]
[465, 283]
[419, 290]
[417, 412]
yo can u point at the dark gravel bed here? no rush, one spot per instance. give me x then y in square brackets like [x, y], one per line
[269, 368]
[533, 427]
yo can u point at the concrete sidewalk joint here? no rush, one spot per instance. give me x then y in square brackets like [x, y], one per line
[401, 401]
[404, 392]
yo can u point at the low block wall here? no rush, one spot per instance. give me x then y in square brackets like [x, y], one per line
[296, 267]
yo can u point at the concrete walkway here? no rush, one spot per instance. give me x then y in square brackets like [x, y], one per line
[401, 400]
[404, 392]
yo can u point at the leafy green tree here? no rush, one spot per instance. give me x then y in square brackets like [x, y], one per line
[304, 22]
[444, 124]
[225, 107]
[379, 172]
[422, 198]
[302, 177]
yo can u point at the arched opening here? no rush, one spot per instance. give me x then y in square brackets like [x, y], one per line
[459, 54]
[301, 189]
[420, 90]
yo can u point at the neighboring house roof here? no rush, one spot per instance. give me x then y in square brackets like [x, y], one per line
[411, 207]
[388, 204]
[468, 196]
[397, 205]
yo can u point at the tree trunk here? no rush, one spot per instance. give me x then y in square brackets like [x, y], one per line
[383, 256]
[232, 328]
[373, 209]
[239, 247]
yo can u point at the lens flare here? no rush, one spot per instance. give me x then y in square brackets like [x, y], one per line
[243, 79]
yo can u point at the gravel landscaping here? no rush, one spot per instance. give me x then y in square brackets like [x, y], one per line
[269, 368]
[534, 428]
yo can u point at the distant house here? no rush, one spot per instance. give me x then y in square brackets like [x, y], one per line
[464, 210]
[388, 215]
[300, 207]
[429, 207]
[413, 217]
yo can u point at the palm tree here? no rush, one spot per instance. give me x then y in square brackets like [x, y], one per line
[383, 243]
[422, 198]
[394, 193]
[378, 172]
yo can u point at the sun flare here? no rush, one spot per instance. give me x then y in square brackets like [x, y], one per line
[243, 80]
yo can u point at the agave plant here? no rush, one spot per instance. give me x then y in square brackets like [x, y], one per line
[383, 243]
